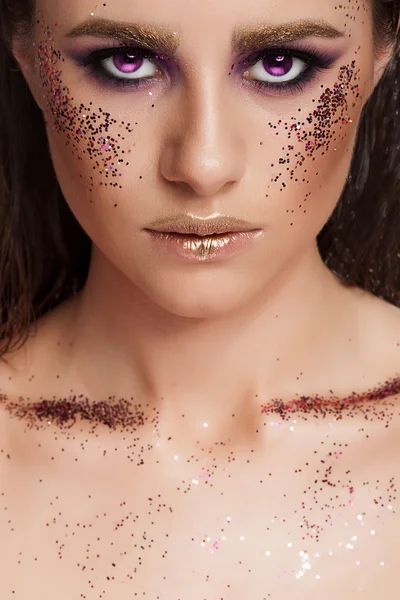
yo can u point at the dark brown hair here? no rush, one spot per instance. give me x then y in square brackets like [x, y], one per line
[45, 254]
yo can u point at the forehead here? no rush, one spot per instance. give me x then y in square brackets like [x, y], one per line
[197, 20]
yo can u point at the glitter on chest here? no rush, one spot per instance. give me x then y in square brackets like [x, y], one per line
[279, 521]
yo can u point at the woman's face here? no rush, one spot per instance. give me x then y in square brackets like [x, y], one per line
[203, 123]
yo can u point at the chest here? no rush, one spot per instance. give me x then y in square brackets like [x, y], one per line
[313, 517]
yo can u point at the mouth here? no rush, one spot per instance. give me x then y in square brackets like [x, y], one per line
[188, 225]
[204, 247]
[197, 235]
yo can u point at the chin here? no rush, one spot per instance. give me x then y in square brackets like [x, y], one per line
[207, 301]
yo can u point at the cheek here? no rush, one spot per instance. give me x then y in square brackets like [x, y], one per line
[93, 165]
[90, 148]
[313, 152]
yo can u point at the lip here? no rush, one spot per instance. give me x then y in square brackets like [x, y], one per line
[202, 226]
[194, 249]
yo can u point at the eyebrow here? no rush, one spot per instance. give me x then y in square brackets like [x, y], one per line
[166, 40]
[251, 37]
[149, 37]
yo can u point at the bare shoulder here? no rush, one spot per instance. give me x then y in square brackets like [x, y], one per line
[43, 356]
[379, 330]
[383, 317]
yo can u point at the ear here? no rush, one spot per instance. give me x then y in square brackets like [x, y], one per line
[29, 67]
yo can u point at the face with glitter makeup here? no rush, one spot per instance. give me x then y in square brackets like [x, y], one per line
[228, 108]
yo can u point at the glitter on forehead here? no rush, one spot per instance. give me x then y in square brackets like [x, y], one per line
[96, 8]
[351, 9]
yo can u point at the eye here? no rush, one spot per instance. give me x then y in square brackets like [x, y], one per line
[283, 69]
[129, 65]
[124, 66]
[276, 68]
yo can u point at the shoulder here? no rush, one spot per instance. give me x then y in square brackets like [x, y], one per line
[379, 326]
[40, 362]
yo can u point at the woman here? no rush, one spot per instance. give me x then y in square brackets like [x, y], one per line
[200, 295]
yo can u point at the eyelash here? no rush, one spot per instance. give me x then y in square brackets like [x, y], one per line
[315, 60]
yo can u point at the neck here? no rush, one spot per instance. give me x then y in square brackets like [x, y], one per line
[281, 344]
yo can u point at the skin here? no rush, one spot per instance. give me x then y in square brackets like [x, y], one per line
[161, 510]
[203, 143]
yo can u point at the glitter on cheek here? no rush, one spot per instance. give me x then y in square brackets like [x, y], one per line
[89, 132]
[317, 132]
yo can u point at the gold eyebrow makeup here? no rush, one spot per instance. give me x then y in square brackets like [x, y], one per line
[268, 35]
[166, 40]
[147, 36]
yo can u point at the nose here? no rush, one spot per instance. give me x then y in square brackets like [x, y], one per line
[203, 150]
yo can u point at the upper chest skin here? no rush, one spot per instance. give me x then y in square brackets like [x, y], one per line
[311, 510]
